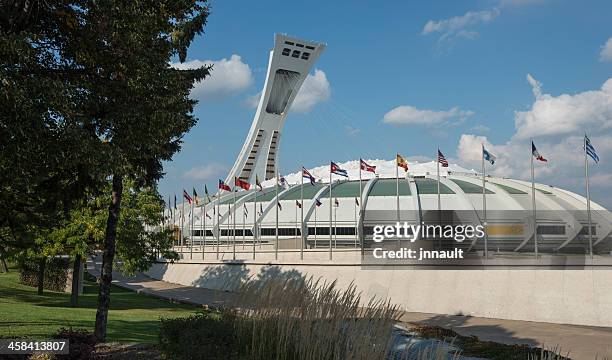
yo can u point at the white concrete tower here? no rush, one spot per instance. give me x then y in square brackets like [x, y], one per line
[290, 62]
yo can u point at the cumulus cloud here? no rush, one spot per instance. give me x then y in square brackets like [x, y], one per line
[314, 90]
[557, 125]
[228, 77]
[459, 26]
[351, 131]
[410, 115]
[606, 51]
[564, 114]
[206, 172]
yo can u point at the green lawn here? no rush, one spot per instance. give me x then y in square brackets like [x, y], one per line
[133, 317]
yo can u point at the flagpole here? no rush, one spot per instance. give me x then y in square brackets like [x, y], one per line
[182, 225]
[302, 217]
[217, 216]
[399, 242]
[439, 202]
[244, 215]
[484, 206]
[330, 214]
[296, 225]
[315, 224]
[533, 203]
[335, 226]
[357, 227]
[234, 224]
[355, 214]
[255, 220]
[204, 227]
[276, 219]
[586, 175]
[191, 230]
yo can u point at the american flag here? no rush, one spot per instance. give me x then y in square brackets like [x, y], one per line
[441, 159]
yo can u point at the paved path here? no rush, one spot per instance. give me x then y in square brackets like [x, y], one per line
[583, 342]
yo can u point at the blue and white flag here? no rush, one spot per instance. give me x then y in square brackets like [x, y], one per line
[488, 156]
[590, 150]
[335, 169]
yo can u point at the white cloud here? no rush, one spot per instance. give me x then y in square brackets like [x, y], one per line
[458, 26]
[351, 131]
[557, 125]
[406, 114]
[564, 114]
[206, 172]
[480, 128]
[314, 90]
[606, 51]
[536, 86]
[228, 77]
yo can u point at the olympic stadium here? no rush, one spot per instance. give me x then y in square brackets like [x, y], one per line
[551, 267]
[299, 221]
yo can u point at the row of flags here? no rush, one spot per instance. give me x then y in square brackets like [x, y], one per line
[337, 170]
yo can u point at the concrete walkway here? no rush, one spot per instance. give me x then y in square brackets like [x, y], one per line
[582, 342]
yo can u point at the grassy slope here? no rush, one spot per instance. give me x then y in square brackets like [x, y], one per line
[133, 317]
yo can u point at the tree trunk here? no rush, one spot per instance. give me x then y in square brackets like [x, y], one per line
[108, 255]
[3, 261]
[76, 279]
[41, 275]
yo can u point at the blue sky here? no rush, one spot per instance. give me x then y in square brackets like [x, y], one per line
[409, 77]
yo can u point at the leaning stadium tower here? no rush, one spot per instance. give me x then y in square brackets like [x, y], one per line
[290, 62]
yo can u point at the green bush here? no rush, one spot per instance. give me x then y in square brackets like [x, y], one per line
[206, 335]
[56, 273]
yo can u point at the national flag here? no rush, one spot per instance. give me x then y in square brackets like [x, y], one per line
[206, 192]
[306, 174]
[401, 162]
[318, 202]
[488, 156]
[175, 208]
[336, 202]
[441, 159]
[590, 150]
[364, 166]
[356, 201]
[246, 211]
[257, 183]
[208, 216]
[196, 198]
[282, 182]
[260, 209]
[536, 154]
[335, 169]
[279, 206]
[224, 186]
[298, 204]
[241, 183]
[187, 197]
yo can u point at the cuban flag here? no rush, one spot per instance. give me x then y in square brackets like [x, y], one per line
[488, 156]
[366, 167]
[536, 154]
[335, 169]
[318, 202]
[307, 175]
[187, 197]
[224, 186]
[590, 150]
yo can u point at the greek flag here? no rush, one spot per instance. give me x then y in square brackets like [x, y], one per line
[488, 156]
[590, 150]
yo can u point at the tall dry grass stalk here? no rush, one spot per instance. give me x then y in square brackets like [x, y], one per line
[308, 319]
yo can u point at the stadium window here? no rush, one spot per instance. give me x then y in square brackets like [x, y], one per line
[551, 230]
[310, 47]
[585, 230]
[296, 54]
[289, 43]
[305, 55]
[286, 51]
[299, 45]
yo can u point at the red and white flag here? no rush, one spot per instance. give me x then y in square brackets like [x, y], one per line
[364, 166]
[242, 184]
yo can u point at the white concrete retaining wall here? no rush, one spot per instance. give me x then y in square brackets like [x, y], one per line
[582, 297]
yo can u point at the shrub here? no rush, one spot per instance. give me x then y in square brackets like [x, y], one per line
[56, 273]
[81, 343]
